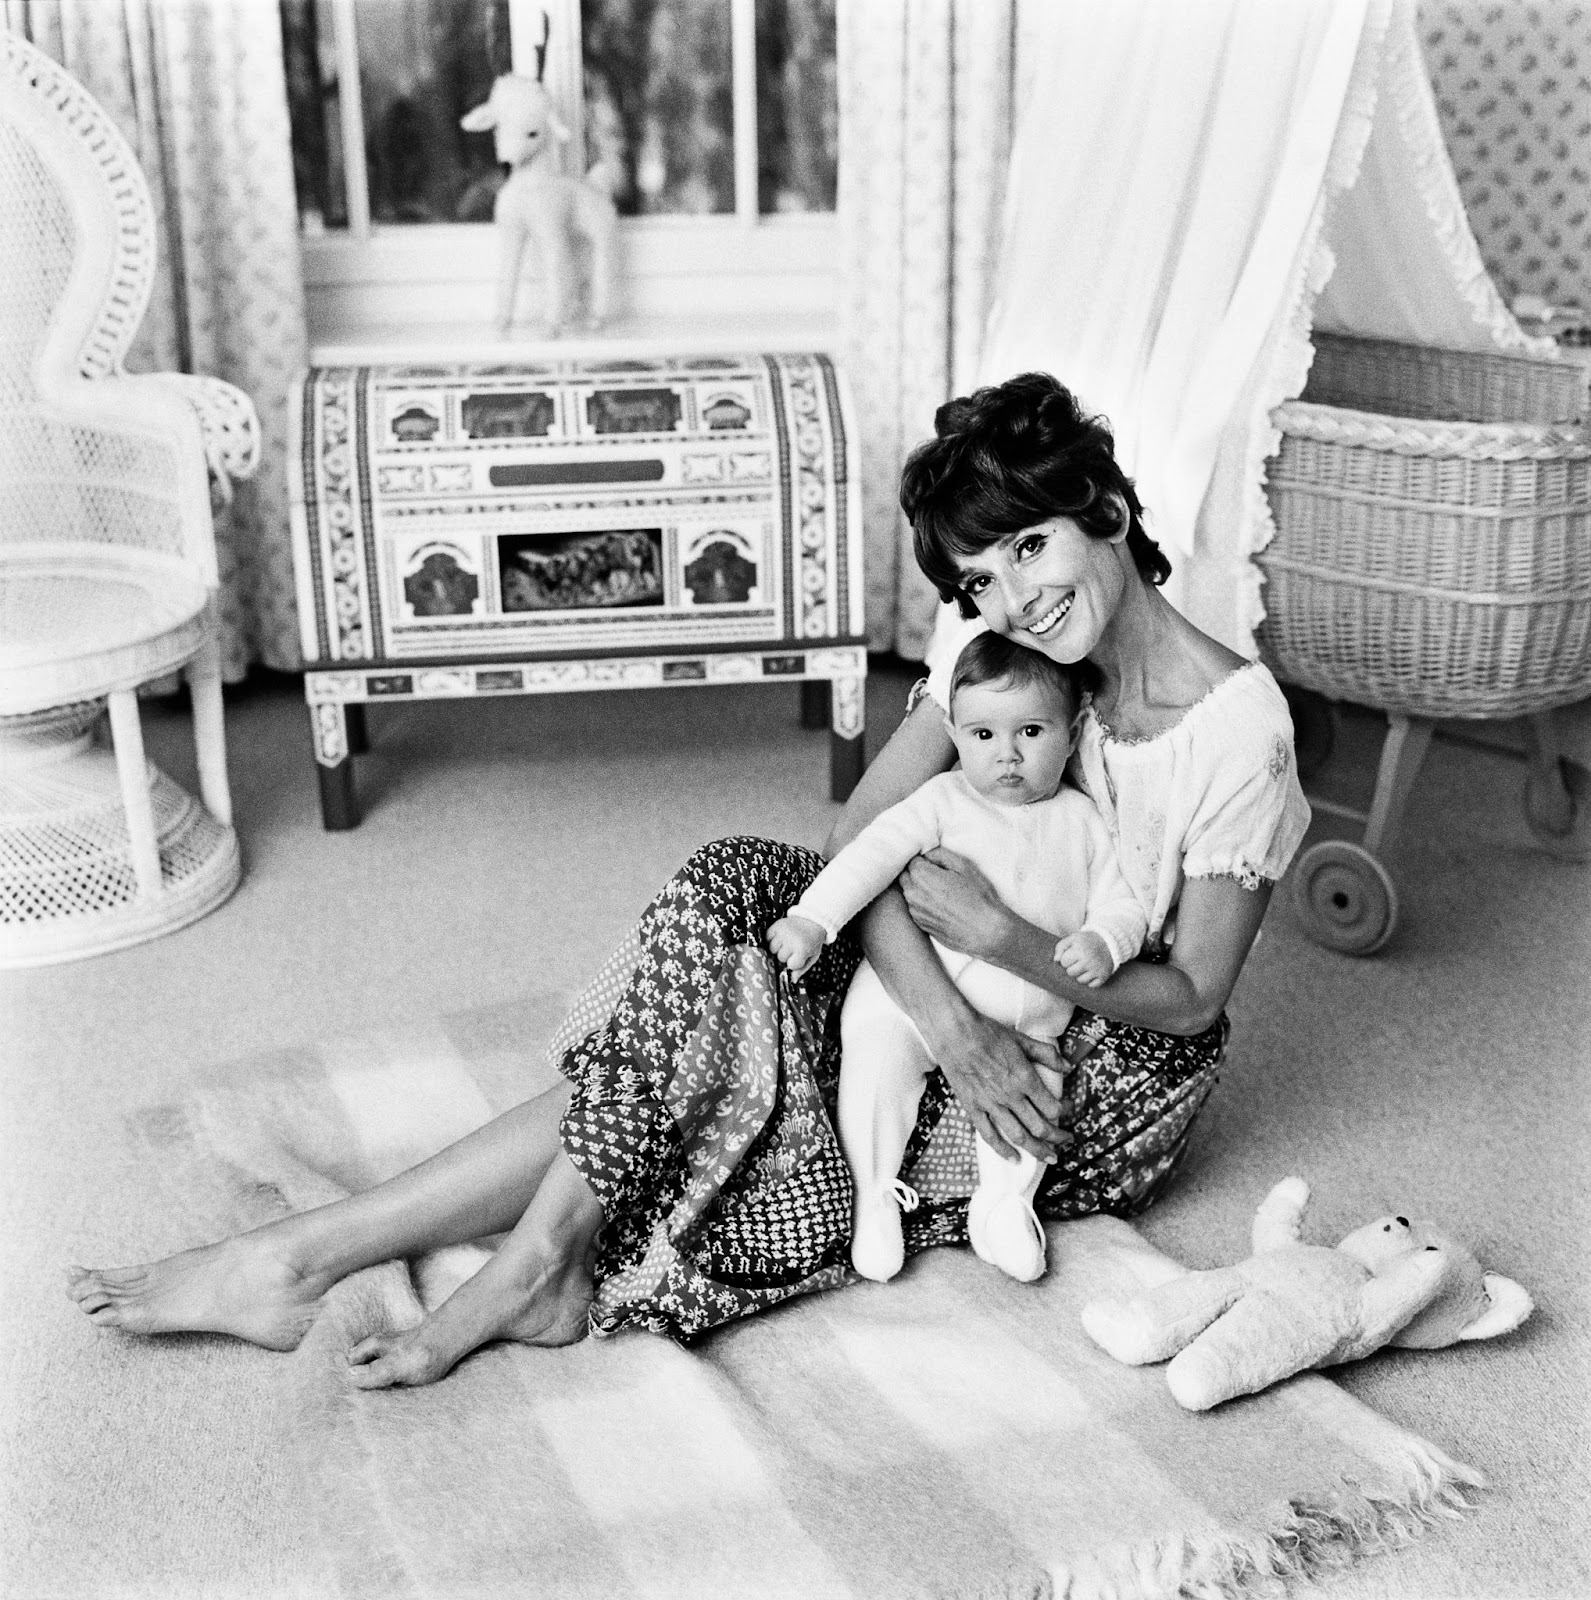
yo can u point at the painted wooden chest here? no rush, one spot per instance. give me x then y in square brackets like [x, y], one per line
[535, 528]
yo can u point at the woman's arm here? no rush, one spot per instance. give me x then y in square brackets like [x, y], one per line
[988, 1066]
[1216, 924]
[919, 749]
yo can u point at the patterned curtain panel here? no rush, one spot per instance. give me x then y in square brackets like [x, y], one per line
[925, 95]
[197, 88]
[1513, 89]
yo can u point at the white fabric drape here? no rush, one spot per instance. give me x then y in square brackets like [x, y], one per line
[1162, 194]
[197, 88]
[1391, 255]
[1407, 263]
[925, 94]
[1176, 194]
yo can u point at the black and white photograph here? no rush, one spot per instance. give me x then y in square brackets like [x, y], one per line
[795, 799]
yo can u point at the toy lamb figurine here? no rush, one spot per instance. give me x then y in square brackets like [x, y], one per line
[541, 205]
[1292, 1306]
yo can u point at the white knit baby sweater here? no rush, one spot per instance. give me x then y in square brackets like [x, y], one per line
[1051, 862]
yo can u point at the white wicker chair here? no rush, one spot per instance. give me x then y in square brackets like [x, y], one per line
[107, 552]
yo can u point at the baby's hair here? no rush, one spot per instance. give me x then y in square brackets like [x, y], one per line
[1007, 458]
[992, 658]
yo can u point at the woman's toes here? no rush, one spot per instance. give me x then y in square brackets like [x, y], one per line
[377, 1374]
[387, 1361]
[89, 1291]
[369, 1349]
[81, 1284]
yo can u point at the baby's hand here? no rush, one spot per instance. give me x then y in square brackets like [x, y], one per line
[1086, 957]
[797, 942]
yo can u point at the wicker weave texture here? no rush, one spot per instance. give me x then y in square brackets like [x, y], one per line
[107, 557]
[1410, 380]
[1426, 654]
[63, 842]
[1435, 567]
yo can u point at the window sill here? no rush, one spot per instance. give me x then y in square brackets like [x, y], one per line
[682, 284]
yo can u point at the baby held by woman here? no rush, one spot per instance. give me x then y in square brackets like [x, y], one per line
[1046, 850]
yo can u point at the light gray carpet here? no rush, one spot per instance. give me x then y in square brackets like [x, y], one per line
[505, 847]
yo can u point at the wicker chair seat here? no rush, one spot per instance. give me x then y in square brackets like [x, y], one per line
[78, 628]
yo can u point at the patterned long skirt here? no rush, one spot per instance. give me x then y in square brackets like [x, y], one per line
[704, 1088]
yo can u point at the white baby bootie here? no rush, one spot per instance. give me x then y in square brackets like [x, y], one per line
[878, 1249]
[1006, 1233]
[1000, 1219]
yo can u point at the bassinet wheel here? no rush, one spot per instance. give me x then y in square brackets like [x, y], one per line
[1345, 898]
[1315, 722]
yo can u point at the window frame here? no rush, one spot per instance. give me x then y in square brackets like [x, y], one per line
[683, 278]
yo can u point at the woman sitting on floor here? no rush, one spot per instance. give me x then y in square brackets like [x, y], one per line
[687, 1173]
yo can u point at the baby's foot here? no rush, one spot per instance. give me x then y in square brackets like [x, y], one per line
[544, 1307]
[244, 1286]
[1005, 1232]
[878, 1246]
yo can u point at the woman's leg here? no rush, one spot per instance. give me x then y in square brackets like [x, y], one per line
[1135, 1095]
[263, 1285]
[702, 1112]
[535, 1289]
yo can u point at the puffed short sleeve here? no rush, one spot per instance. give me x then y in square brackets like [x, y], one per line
[944, 650]
[1250, 814]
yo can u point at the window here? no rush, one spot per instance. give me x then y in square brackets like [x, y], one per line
[713, 120]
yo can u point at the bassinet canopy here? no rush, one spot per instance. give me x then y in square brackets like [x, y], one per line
[1193, 187]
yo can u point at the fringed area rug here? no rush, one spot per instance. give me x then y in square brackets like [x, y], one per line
[951, 1434]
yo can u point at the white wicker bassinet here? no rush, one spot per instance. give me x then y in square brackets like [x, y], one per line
[1433, 544]
[1432, 559]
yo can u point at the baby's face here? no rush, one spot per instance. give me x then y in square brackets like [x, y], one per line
[1013, 740]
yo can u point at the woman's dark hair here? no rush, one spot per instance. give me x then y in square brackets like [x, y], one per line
[1006, 458]
[992, 658]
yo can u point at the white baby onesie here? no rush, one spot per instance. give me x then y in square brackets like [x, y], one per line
[1051, 862]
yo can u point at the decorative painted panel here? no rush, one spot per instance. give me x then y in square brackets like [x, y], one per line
[466, 511]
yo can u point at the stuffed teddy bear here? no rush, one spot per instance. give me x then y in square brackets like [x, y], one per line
[1293, 1306]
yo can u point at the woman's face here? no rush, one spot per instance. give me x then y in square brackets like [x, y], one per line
[1051, 587]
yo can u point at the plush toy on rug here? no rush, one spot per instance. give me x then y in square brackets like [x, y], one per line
[1293, 1306]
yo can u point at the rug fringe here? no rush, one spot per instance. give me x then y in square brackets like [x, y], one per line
[1307, 1538]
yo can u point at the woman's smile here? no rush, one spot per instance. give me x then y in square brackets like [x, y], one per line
[1053, 617]
[1028, 584]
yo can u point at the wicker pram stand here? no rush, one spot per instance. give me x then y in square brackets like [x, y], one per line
[1432, 560]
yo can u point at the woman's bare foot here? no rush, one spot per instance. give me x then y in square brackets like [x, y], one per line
[515, 1296]
[244, 1286]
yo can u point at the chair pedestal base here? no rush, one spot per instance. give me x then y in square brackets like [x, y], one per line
[69, 886]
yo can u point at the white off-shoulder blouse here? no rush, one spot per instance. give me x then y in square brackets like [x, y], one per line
[1216, 795]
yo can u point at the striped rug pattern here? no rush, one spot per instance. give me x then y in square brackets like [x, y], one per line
[951, 1434]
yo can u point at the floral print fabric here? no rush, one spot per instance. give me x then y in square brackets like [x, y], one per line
[702, 1111]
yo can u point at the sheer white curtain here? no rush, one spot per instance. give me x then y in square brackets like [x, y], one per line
[197, 88]
[1165, 202]
[925, 95]
[1184, 178]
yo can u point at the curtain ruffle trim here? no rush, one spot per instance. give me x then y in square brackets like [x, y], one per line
[1408, 85]
[1292, 353]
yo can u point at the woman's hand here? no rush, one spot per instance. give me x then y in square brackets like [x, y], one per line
[990, 1067]
[952, 901]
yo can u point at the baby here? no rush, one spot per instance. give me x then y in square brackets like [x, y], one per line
[1046, 850]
